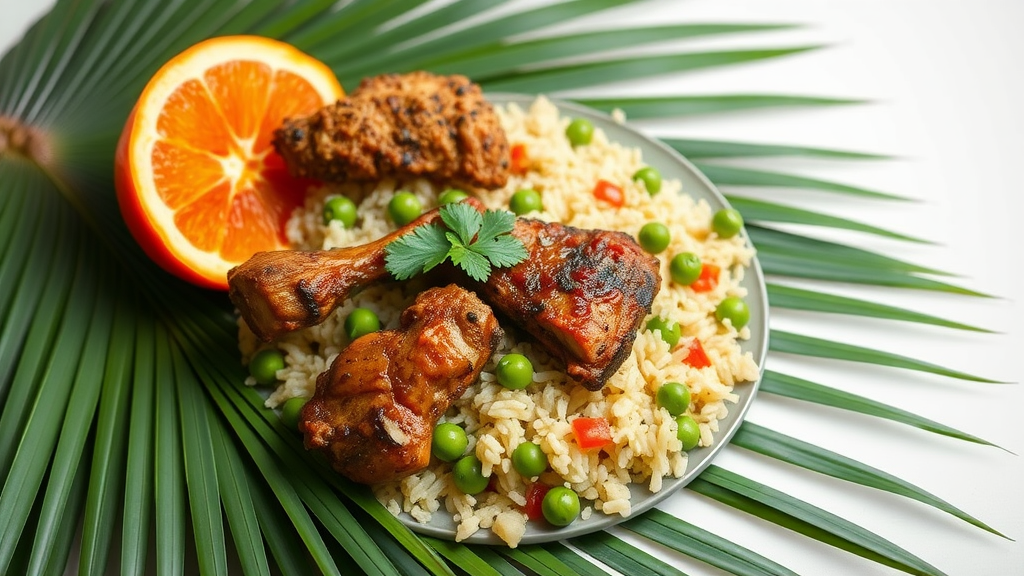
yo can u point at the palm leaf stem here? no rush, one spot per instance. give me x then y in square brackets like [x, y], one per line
[799, 453]
[139, 468]
[78, 19]
[356, 19]
[293, 16]
[30, 418]
[502, 58]
[83, 398]
[108, 461]
[237, 500]
[755, 210]
[655, 107]
[776, 261]
[538, 561]
[472, 561]
[200, 470]
[391, 52]
[781, 242]
[277, 480]
[168, 477]
[786, 511]
[375, 48]
[807, 391]
[570, 558]
[620, 556]
[725, 176]
[697, 149]
[702, 545]
[574, 76]
[790, 343]
[780, 296]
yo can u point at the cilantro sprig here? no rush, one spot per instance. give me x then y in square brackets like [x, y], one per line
[472, 241]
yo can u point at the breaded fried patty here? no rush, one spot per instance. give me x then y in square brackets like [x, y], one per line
[416, 124]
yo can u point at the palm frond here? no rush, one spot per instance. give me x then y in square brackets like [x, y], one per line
[797, 452]
[811, 521]
[120, 387]
[679, 106]
[800, 389]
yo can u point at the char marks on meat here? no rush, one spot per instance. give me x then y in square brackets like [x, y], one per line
[581, 293]
[374, 410]
[416, 124]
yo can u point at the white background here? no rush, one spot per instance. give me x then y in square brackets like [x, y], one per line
[944, 81]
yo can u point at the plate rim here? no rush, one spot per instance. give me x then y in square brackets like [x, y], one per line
[538, 533]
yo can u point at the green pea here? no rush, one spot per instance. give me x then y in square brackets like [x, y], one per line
[735, 310]
[670, 331]
[654, 237]
[687, 431]
[651, 179]
[514, 371]
[560, 506]
[404, 207]
[451, 196]
[529, 460]
[361, 321]
[291, 410]
[340, 208]
[674, 397]
[727, 222]
[265, 364]
[525, 201]
[467, 475]
[449, 442]
[685, 268]
[579, 132]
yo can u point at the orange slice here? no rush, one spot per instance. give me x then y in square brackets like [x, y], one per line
[198, 181]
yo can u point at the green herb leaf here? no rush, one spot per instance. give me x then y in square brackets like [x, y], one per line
[503, 251]
[462, 219]
[495, 223]
[475, 242]
[418, 251]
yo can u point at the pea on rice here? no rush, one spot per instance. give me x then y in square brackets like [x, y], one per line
[646, 449]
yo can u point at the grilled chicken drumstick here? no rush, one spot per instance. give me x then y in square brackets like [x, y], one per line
[374, 410]
[285, 290]
[582, 293]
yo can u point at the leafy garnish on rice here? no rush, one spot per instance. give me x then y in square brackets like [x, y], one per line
[473, 241]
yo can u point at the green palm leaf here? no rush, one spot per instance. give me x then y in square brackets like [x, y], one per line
[120, 387]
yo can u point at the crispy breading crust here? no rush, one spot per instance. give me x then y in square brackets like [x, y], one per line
[416, 124]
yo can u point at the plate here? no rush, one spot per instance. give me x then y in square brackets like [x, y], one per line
[672, 166]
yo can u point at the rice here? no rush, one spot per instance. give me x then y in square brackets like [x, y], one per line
[646, 449]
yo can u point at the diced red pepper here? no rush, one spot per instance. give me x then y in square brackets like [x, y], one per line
[610, 193]
[534, 497]
[708, 279]
[520, 161]
[592, 432]
[696, 356]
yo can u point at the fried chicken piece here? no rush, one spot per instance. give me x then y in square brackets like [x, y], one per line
[415, 124]
[374, 410]
[582, 293]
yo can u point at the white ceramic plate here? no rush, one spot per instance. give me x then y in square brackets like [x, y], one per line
[675, 167]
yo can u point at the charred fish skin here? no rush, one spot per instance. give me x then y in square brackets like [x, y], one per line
[375, 408]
